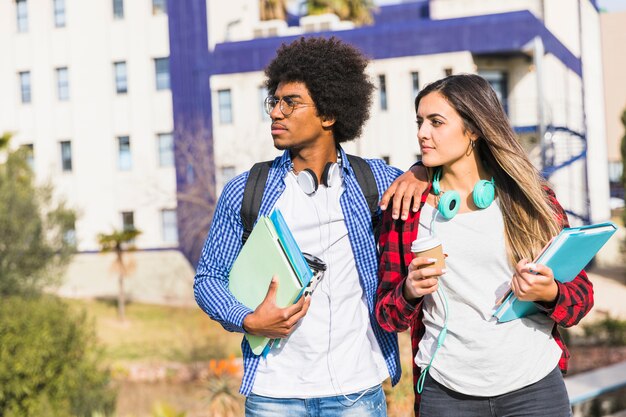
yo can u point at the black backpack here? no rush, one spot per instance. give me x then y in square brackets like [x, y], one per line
[255, 185]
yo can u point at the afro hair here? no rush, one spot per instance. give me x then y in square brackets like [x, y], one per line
[334, 74]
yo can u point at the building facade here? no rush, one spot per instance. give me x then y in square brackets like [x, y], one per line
[86, 88]
[541, 57]
[614, 62]
[140, 111]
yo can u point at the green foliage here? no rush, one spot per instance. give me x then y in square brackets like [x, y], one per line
[609, 332]
[165, 410]
[117, 240]
[48, 361]
[358, 11]
[4, 140]
[33, 228]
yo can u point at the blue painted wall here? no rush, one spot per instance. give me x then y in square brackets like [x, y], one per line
[497, 33]
[193, 141]
[400, 30]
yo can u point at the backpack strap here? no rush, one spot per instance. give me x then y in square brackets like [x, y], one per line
[255, 186]
[252, 196]
[367, 182]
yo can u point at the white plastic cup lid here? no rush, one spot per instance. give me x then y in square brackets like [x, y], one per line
[423, 243]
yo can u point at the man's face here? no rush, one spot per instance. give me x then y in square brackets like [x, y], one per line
[303, 127]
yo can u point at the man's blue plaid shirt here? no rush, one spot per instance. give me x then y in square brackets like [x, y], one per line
[224, 243]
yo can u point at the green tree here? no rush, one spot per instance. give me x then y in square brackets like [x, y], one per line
[273, 9]
[49, 361]
[34, 227]
[120, 242]
[358, 11]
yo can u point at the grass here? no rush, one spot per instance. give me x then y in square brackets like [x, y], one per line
[153, 333]
[158, 333]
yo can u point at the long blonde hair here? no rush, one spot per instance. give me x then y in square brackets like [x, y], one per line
[529, 217]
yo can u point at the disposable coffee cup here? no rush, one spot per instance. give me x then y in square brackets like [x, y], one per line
[429, 247]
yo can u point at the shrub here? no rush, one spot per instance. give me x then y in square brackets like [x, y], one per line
[608, 331]
[48, 361]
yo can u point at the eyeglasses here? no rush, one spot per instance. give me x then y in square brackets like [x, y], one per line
[286, 105]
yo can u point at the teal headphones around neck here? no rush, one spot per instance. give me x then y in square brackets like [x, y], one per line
[449, 203]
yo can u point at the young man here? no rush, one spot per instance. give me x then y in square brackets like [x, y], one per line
[334, 355]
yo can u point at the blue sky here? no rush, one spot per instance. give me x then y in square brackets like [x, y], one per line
[609, 5]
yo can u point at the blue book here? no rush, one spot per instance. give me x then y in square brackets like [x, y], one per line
[292, 250]
[566, 254]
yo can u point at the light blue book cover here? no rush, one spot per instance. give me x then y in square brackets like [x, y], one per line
[291, 247]
[567, 254]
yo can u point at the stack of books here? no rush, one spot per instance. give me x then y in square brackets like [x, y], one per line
[270, 250]
[566, 254]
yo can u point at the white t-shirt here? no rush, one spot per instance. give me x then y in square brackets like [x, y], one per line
[333, 350]
[480, 356]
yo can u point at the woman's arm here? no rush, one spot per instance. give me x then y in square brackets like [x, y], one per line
[575, 298]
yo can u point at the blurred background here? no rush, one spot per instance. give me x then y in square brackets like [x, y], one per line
[121, 121]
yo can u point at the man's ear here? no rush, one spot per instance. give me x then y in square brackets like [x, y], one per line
[327, 121]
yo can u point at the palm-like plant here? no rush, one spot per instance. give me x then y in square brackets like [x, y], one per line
[358, 11]
[273, 9]
[4, 140]
[119, 241]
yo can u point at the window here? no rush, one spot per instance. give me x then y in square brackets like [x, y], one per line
[615, 171]
[415, 83]
[447, 71]
[22, 15]
[228, 173]
[59, 13]
[166, 149]
[262, 94]
[121, 82]
[66, 156]
[25, 86]
[159, 6]
[169, 226]
[382, 88]
[224, 101]
[128, 220]
[63, 84]
[69, 236]
[499, 82]
[29, 150]
[118, 9]
[162, 71]
[124, 158]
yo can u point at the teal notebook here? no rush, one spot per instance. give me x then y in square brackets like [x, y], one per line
[567, 254]
[263, 256]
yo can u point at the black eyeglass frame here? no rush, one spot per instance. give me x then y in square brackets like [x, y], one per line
[286, 105]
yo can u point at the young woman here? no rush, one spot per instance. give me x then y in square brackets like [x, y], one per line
[493, 213]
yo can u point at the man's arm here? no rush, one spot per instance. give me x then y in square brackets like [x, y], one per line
[405, 192]
[221, 248]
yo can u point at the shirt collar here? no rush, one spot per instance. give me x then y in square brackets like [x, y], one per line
[286, 164]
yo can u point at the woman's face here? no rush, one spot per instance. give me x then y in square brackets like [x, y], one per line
[441, 134]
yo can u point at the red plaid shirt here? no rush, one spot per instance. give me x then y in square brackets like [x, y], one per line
[395, 313]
